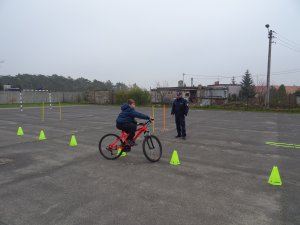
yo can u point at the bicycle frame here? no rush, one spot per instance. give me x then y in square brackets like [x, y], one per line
[124, 136]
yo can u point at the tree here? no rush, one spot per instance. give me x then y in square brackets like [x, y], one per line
[55, 83]
[248, 88]
[261, 91]
[109, 85]
[141, 96]
[282, 96]
[1, 87]
[121, 86]
[273, 96]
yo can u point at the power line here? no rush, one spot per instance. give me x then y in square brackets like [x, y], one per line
[289, 70]
[287, 43]
[283, 72]
[294, 43]
[278, 73]
[209, 76]
[286, 46]
[286, 72]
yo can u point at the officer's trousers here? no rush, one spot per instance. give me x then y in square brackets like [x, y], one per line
[180, 125]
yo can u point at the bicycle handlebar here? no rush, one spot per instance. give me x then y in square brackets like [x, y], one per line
[148, 121]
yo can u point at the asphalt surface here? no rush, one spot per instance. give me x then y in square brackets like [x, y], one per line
[222, 179]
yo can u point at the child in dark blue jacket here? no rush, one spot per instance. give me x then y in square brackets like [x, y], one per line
[126, 120]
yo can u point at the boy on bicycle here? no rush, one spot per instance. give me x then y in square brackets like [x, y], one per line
[126, 120]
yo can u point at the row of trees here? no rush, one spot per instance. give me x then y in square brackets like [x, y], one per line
[58, 83]
[278, 97]
[141, 96]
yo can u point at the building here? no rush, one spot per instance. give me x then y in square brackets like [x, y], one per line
[288, 89]
[213, 95]
[298, 99]
[220, 93]
[200, 95]
[166, 95]
[7, 87]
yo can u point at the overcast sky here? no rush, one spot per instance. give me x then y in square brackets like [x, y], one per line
[145, 42]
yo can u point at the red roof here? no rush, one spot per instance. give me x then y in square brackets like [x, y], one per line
[288, 89]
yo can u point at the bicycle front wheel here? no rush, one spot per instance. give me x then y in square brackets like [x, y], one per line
[152, 148]
[110, 146]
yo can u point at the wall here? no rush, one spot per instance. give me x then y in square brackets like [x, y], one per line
[11, 97]
[234, 89]
[100, 97]
[298, 100]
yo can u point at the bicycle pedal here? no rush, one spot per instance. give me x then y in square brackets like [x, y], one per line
[127, 148]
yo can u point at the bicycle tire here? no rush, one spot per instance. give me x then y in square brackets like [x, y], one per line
[150, 140]
[104, 150]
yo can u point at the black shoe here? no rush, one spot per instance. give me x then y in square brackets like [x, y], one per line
[127, 148]
[178, 136]
[183, 137]
[131, 143]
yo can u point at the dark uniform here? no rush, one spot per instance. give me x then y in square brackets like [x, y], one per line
[180, 108]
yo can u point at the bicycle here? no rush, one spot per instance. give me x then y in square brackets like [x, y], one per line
[111, 146]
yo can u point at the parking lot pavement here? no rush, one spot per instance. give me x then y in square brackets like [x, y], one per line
[222, 179]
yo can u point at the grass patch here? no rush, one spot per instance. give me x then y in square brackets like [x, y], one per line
[249, 109]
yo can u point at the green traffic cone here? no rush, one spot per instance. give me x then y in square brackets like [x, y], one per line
[20, 131]
[73, 141]
[42, 136]
[274, 178]
[175, 159]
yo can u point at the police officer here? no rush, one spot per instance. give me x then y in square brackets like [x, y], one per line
[180, 108]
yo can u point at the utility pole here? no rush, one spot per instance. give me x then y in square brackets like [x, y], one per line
[270, 36]
[192, 82]
[183, 80]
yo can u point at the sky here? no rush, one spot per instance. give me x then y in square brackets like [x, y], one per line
[153, 42]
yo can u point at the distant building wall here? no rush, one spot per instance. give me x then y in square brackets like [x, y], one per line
[167, 95]
[234, 89]
[163, 96]
[70, 96]
[100, 97]
[298, 100]
[34, 96]
[11, 97]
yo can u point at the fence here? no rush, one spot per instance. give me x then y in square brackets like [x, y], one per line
[32, 96]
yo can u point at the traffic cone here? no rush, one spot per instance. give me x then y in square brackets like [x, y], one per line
[175, 159]
[123, 153]
[42, 136]
[73, 141]
[274, 178]
[20, 131]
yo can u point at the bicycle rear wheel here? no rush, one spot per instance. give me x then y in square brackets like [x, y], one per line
[109, 147]
[152, 148]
